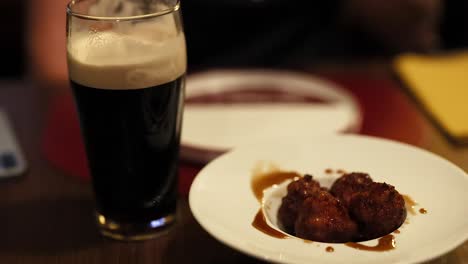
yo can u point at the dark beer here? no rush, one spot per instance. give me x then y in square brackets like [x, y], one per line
[132, 142]
[126, 62]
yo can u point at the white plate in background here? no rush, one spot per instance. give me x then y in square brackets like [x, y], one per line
[229, 108]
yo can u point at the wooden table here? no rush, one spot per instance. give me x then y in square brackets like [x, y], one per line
[46, 216]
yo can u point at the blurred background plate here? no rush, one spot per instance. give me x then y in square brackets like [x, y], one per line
[228, 108]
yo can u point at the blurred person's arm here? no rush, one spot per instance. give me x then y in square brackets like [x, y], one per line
[400, 25]
[46, 44]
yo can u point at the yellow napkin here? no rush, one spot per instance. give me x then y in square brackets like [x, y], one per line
[440, 84]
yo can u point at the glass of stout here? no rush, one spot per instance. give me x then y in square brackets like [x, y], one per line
[127, 62]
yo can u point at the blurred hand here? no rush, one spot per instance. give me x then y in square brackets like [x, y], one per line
[401, 25]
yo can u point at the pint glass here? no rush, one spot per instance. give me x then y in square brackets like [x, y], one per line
[127, 62]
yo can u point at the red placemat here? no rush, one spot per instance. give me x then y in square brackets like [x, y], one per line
[387, 110]
[387, 113]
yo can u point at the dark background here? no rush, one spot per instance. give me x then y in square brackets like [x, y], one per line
[13, 35]
[13, 32]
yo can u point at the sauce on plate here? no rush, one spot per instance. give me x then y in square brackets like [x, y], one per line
[384, 243]
[260, 224]
[410, 204]
[261, 182]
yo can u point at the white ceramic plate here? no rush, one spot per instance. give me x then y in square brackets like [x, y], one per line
[222, 201]
[241, 106]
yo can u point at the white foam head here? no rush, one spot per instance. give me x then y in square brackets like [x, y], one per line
[133, 56]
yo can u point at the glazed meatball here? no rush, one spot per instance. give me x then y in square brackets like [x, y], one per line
[298, 191]
[378, 210]
[323, 218]
[349, 184]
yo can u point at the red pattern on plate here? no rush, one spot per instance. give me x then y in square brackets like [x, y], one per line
[257, 95]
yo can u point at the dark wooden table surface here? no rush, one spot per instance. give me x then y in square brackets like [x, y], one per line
[46, 216]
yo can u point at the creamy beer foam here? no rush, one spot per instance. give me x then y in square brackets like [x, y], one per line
[146, 57]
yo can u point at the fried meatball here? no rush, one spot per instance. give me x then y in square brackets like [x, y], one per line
[298, 191]
[378, 210]
[323, 218]
[347, 185]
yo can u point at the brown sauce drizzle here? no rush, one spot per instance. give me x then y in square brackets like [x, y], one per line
[340, 171]
[329, 249]
[385, 243]
[261, 182]
[423, 211]
[409, 204]
[328, 171]
[260, 224]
